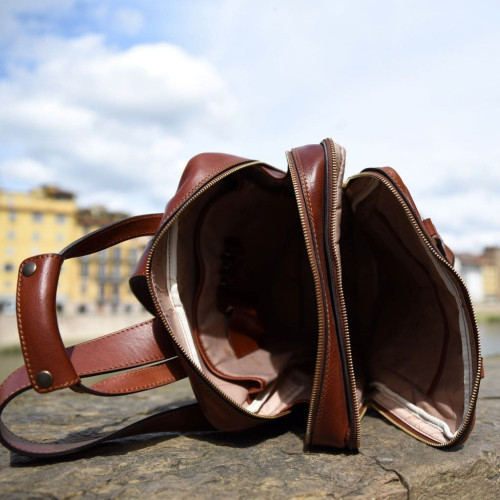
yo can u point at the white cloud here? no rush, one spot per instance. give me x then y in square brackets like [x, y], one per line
[129, 21]
[112, 125]
[11, 26]
[406, 85]
[29, 170]
[400, 84]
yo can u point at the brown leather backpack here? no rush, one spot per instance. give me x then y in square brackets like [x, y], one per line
[271, 290]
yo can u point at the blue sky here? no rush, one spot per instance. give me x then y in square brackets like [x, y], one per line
[111, 98]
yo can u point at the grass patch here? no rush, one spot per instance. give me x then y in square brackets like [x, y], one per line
[12, 350]
[488, 317]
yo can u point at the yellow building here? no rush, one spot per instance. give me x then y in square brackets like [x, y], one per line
[491, 274]
[41, 221]
[103, 277]
[46, 220]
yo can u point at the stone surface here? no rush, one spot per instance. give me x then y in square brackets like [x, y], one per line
[264, 463]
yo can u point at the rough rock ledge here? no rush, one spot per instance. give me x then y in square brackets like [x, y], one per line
[265, 463]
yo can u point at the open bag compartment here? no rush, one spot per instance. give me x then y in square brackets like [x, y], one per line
[232, 278]
[412, 335]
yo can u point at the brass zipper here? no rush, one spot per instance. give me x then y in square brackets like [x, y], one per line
[340, 290]
[160, 310]
[424, 238]
[319, 298]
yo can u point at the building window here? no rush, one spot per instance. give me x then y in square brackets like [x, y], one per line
[85, 269]
[36, 236]
[11, 235]
[102, 256]
[59, 237]
[12, 215]
[101, 270]
[8, 267]
[61, 218]
[133, 255]
[117, 253]
[9, 251]
[37, 216]
[101, 294]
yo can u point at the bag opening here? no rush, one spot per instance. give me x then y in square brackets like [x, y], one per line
[410, 335]
[233, 279]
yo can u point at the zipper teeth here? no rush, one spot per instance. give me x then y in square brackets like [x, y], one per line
[423, 236]
[317, 286]
[340, 289]
[160, 310]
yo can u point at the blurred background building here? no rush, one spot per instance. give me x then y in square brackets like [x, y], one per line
[47, 219]
[481, 273]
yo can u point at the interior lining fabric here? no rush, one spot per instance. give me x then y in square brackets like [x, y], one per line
[238, 291]
[409, 333]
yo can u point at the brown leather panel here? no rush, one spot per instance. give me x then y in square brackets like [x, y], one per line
[130, 347]
[198, 172]
[427, 225]
[113, 234]
[136, 345]
[330, 425]
[141, 379]
[410, 326]
[41, 342]
[184, 419]
[139, 284]
[217, 410]
[271, 277]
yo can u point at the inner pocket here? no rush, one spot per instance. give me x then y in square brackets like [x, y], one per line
[241, 299]
[410, 335]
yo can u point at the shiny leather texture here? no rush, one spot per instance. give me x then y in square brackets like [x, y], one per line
[258, 338]
[330, 424]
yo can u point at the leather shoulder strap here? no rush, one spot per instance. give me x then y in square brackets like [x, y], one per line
[50, 366]
[131, 347]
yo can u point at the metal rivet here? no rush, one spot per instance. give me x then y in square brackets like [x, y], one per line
[44, 379]
[29, 269]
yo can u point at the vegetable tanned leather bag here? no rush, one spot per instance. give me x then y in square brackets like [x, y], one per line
[271, 290]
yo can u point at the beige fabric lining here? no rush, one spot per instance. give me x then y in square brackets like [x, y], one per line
[277, 283]
[408, 326]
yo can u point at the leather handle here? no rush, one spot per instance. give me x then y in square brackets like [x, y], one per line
[131, 347]
[47, 362]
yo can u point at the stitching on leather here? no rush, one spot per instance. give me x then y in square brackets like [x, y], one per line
[167, 379]
[216, 171]
[134, 362]
[22, 338]
[109, 335]
[114, 227]
[326, 375]
[123, 365]
[143, 387]
[26, 351]
[306, 189]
